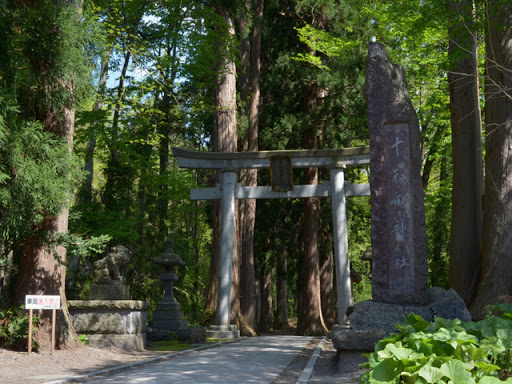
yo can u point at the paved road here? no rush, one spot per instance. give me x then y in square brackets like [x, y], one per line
[253, 360]
[264, 359]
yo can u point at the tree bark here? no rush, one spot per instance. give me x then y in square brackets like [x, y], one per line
[495, 282]
[248, 288]
[281, 319]
[327, 283]
[266, 315]
[467, 192]
[310, 320]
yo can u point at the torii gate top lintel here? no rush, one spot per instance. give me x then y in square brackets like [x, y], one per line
[300, 158]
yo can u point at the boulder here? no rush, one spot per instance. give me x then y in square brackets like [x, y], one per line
[371, 321]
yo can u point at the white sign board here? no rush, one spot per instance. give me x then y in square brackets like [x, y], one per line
[42, 302]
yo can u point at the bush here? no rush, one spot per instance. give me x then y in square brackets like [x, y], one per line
[445, 351]
[14, 325]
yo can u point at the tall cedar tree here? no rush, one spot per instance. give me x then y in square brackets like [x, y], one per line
[495, 282]
[248, 281]
[51, 32]
[467, 191]
[225, 140]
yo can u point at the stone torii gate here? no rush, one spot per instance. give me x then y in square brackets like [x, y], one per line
[230, 163]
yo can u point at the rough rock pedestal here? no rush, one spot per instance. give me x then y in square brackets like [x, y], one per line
[371, 321]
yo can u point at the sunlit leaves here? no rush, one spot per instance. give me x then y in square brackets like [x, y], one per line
[326, 43]
[444, 351]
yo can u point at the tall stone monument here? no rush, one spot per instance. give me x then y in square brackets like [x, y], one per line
[399, 240]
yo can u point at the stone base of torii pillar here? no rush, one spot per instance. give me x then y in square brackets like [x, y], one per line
[222, 332]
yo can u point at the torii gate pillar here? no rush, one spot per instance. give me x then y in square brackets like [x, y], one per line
[222, 329]
[339, 218]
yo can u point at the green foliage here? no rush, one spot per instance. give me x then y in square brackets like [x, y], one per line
[445, 351]
[45, 61]
[14, 326]
[82, 251]
[359, 235]
[38, 177]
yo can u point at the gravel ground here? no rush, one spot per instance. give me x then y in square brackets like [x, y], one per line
[41, 367]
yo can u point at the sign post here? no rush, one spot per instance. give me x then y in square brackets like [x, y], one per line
[41, 302]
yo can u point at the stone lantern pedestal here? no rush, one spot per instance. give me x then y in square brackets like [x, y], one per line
[168, 318]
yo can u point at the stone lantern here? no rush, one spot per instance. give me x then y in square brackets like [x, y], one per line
[169, 260]
[168, 318]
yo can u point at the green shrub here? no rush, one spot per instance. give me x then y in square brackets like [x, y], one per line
[445, 351]
[14, 325]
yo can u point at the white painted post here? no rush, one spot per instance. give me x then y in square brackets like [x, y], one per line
[226, 246]
[339, 218]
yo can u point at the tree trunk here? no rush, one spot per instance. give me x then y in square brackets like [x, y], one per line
[310, 320]
[225, 140]
[327, 283]
[86, 190]
[248, 288]
[429, 159]
[163, 200]
[281, 320]
[114, 165]
[245, 66]
[467, 192]
[495, 282]
[266, 315]
[169, 79]
[41, 273]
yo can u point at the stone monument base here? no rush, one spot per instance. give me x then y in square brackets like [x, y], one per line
[222, 332]
[109, 292]
[169, 323]
[371, 321]
[117, 324]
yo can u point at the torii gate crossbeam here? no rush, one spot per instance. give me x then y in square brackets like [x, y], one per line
[229, 163]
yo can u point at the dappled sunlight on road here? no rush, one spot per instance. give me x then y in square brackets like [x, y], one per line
[252, 360]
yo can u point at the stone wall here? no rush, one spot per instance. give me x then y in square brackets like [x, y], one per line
[120, 324]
